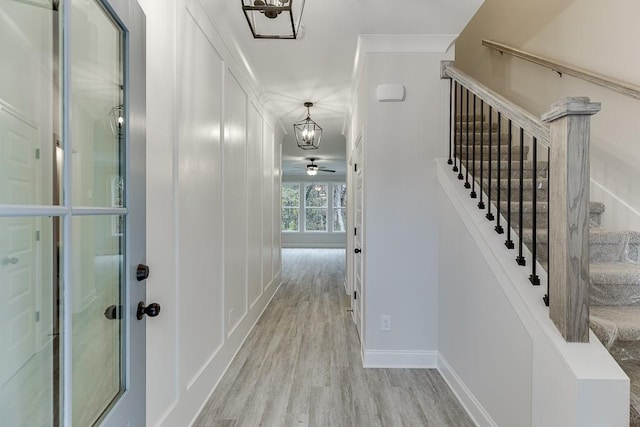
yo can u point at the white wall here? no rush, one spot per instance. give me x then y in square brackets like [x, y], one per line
[597, 36]
[401, 139]
[498, 349]
[213, 173]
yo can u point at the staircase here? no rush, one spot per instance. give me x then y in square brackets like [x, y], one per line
[614, 255]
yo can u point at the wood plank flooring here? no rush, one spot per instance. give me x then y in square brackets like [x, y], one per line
[301, 365]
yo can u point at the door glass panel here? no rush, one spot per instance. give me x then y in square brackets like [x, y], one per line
[97, 277]
[97, 114]
[29, 281]
[29, 102]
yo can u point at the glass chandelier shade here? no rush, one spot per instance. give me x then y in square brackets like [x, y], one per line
[307, 132]
[273, 19]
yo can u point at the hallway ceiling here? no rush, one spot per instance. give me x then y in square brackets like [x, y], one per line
[319, 66]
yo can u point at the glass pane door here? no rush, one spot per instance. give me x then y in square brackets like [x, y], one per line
[66, 329]
[96, 149]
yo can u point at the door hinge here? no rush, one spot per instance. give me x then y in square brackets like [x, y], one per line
[37, 153]
[355, 294]
[355, 167]
[37, 235]
[355, 231]
[37, 316]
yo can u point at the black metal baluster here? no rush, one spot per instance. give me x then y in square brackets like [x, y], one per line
[451, 124]
[481, 202]
[489, 215]
[509, 243]
[460, 176]
[546, 298]
[473, 162]
[466, 165]
[533, 278]
[520, 258]
[498, 227]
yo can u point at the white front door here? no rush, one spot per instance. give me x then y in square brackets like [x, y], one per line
[72, 213]
[358, 242]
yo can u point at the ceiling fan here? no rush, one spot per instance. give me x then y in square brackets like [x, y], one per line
[312, 169]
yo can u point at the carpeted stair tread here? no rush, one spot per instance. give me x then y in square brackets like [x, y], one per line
[615, 273]
[614, 246]
[478, 137]
[615, 324]
[485, 150]
[614, 284]
[469, 125]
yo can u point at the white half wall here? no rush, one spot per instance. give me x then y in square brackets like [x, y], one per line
[213, 174]
[499, 350]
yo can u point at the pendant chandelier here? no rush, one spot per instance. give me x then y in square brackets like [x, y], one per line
[267, 20]
[308, 132]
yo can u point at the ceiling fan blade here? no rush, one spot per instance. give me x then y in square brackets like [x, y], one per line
[326, 170]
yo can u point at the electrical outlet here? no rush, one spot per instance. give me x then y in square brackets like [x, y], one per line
[385, 323]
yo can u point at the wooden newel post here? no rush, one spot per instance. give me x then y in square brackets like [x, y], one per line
[569, 216]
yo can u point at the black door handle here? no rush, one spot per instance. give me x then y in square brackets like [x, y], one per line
[152, 310]
[357, 250]
[142, 272]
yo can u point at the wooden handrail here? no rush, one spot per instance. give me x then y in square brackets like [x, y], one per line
[519, 116]
[562, 68]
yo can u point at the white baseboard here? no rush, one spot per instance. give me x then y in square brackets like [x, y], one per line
[418, 359]
[291, 245]
[473, 407]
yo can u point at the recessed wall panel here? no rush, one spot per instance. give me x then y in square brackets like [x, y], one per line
[267, 206]
[254, 188]
[199, 200]
[277, 234]
[235, 202]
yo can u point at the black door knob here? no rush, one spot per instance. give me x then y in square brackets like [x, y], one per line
[151, 310]
[142, 272]
[357, 250]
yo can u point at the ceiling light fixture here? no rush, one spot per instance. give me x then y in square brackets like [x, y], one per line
[308, 132]
[262, 17]
[312, 170]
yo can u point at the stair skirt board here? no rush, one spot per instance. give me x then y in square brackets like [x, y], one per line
[405, 359]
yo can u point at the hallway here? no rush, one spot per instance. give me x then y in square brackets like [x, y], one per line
[301, 364]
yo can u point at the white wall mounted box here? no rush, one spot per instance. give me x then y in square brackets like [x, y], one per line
[391, 92]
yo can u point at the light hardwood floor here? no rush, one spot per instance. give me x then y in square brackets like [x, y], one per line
[301, 364]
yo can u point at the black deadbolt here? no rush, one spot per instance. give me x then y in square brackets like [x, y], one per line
[152, 310]
[113, 312]
[142, 272]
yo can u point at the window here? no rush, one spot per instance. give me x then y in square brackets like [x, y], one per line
[290, 207]
[340, 207]
[315, 207]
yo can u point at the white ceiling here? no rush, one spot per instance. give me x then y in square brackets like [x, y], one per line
[319, 66]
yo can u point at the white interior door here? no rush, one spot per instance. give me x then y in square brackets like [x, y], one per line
[358, 242]
[18, 270]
